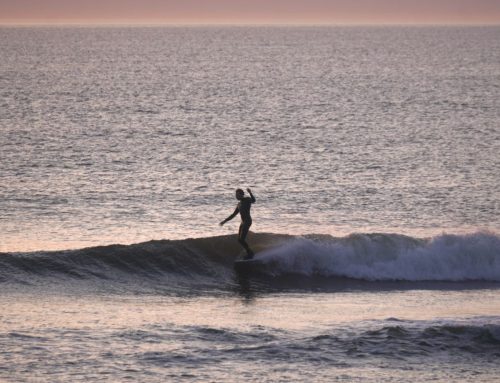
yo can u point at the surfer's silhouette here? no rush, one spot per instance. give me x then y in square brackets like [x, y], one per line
[243, 207]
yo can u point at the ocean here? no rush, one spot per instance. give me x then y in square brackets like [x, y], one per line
[373, 153]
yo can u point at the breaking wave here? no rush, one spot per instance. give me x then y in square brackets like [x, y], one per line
[369, 257]
[391, 257]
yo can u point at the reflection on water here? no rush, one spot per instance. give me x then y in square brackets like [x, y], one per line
[27, 311]
[244, 288]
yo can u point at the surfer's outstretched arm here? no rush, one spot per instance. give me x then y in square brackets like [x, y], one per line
[236, 211]
[251, 195]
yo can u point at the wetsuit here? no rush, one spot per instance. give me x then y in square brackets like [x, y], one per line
[243, 208]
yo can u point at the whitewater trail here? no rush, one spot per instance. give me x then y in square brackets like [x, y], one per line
[382, 257]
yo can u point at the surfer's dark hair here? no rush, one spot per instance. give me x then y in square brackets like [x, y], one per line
[240, 191]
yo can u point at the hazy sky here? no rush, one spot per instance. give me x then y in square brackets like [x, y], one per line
[251, 11]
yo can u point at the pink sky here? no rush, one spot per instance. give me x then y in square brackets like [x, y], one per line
[251, 11]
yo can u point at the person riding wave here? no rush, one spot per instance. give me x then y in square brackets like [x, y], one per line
[243, 207]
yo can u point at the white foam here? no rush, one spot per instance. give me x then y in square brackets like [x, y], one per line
[392, 257]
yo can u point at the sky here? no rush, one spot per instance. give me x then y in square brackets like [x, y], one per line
[250, 11]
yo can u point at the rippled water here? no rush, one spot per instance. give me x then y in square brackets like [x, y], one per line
[347, 336]
[127, 134]
[122, 135]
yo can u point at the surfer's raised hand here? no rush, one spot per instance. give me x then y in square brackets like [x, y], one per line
[221, 223]
[251, 195]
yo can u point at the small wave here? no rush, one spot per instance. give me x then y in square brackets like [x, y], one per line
[371, 257]
[201, 260]
[409, 340]
[415, 339]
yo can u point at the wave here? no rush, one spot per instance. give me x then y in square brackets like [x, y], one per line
[390, 257]
[410, 339]
[387, 339]
[369, 257]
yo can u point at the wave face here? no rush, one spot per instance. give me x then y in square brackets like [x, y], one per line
[209, 261]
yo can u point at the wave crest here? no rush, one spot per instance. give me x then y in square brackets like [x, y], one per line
[389, 257]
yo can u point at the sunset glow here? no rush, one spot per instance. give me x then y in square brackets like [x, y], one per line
[250, 12]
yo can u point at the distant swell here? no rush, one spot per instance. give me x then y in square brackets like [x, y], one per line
[407, 340]
[403, 340]
[370, 257]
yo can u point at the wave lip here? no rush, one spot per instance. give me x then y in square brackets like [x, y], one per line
[390, 257]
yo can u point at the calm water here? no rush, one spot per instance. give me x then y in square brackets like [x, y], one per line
[123, 135]
[116, 135]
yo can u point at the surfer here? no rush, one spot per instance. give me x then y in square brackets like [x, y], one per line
[243, 207]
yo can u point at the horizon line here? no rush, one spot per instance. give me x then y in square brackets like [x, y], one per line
[243, 24]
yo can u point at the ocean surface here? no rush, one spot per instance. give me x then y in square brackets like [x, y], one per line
[373, 153]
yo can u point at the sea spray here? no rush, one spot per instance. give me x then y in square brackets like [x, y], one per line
[382, 257]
